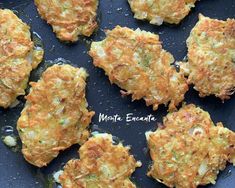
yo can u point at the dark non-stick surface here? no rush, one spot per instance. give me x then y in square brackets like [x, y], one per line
[104, 97]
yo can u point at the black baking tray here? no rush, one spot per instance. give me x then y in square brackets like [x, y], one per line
[104, 97]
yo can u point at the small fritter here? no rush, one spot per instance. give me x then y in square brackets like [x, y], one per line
[157, 11]
[18, 57]
[188, 149]
[55, 115]
[69, 18]
[136, 62]
[101, 164]
[211, 57]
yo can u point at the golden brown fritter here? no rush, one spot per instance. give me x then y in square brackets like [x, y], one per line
[159, 11]
[55, 115]
[101, 164]
[18, 57]
[69, 18]
[211, 57]
[188, 149]
[136, 62]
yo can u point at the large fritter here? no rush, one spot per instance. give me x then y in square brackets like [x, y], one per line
[188, 149]
[157, 11]
[101, 164]
[18, 57]
[69, 18]
[211, 57]
[136, 62]
[55, 115]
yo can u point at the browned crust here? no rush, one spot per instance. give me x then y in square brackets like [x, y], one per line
[211, 59]
[101, 164]
[55, 115]
[189, 150]
[69, 18]
[156, 11]
[17, 57]
[136, 62]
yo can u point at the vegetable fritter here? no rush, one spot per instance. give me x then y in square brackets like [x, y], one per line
[18, 57]
[69, 18]
[188, 149]
[55, 115]
[211, 57]
[136, 62]
[158, 11]
[101, 164]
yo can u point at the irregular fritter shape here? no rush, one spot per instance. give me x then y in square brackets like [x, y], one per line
[157, 11]
[211, 57]
[69, 18]
[101, 164]
[188, 149]
[55, 115]
[136, 62]
[18, 57]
